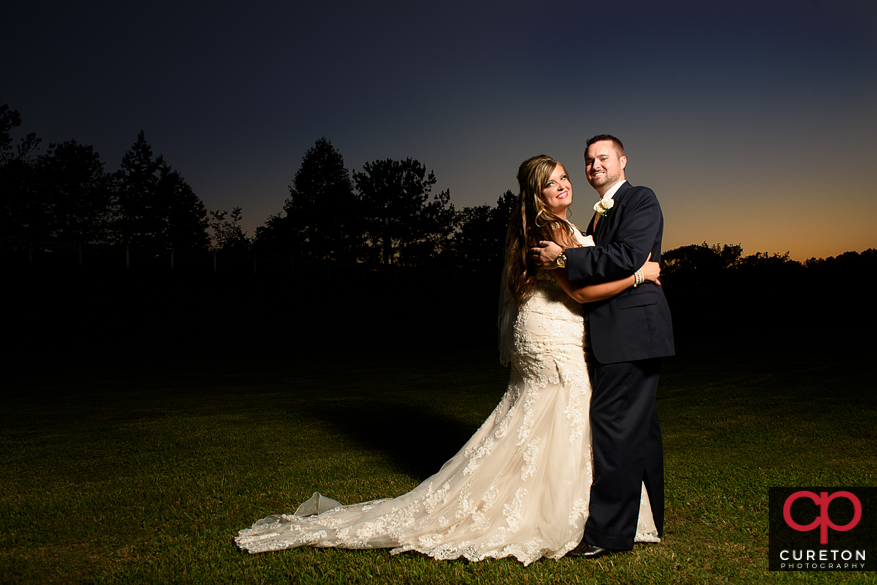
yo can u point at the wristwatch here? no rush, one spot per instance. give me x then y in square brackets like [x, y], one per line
[560, 261]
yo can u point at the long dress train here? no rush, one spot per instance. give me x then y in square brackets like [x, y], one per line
[519, 487]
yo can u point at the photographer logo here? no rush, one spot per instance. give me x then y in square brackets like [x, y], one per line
[822, 529]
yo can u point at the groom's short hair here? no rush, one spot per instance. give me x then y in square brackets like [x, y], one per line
[599, 137]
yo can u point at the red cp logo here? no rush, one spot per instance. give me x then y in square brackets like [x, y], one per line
[823, 521]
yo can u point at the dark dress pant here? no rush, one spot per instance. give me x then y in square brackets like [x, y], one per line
[627, 452]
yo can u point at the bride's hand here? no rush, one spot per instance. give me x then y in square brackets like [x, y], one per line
[651, 271]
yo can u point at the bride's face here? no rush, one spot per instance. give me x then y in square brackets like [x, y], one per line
[557, 193]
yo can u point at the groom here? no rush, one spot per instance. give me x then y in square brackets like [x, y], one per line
[629, 334]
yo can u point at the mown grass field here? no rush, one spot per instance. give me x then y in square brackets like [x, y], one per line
[142, 470]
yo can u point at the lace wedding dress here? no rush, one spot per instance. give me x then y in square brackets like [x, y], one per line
[519, 487]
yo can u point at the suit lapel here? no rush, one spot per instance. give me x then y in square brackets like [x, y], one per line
[603, 225]
[590, 230]
[622, 191]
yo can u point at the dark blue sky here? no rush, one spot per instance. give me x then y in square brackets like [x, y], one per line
[753, 121]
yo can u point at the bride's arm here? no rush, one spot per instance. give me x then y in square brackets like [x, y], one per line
[604, 290]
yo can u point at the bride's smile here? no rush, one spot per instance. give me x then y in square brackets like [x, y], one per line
[557, 193]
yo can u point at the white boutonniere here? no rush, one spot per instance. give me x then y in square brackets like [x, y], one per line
[604, 205]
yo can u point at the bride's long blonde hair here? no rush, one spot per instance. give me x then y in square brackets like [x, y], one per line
[531, 221]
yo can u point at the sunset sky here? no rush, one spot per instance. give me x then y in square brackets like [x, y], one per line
[754, 122]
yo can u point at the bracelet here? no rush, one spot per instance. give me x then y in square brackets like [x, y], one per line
[638, 278]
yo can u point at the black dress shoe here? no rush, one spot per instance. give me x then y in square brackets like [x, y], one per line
[589, 551]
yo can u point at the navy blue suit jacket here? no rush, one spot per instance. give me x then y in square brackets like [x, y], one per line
[635, 324]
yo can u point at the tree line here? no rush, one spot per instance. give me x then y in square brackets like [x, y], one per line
[64, 194]
[387, 213]
[716, 291]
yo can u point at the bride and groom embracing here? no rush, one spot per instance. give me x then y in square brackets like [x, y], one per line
[570, 462]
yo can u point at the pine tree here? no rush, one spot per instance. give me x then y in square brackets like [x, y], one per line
[156, 207]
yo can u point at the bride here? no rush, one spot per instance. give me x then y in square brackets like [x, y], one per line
[520, 486]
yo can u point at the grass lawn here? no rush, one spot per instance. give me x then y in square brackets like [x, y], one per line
[142, 470]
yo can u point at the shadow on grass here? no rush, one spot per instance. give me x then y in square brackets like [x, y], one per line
[418, 440]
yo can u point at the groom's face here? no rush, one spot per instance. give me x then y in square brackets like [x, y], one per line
[603, 165]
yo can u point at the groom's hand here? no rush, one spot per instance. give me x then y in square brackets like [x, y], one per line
[545, 254]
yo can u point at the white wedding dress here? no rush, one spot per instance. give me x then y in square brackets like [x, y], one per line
[519, 487]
